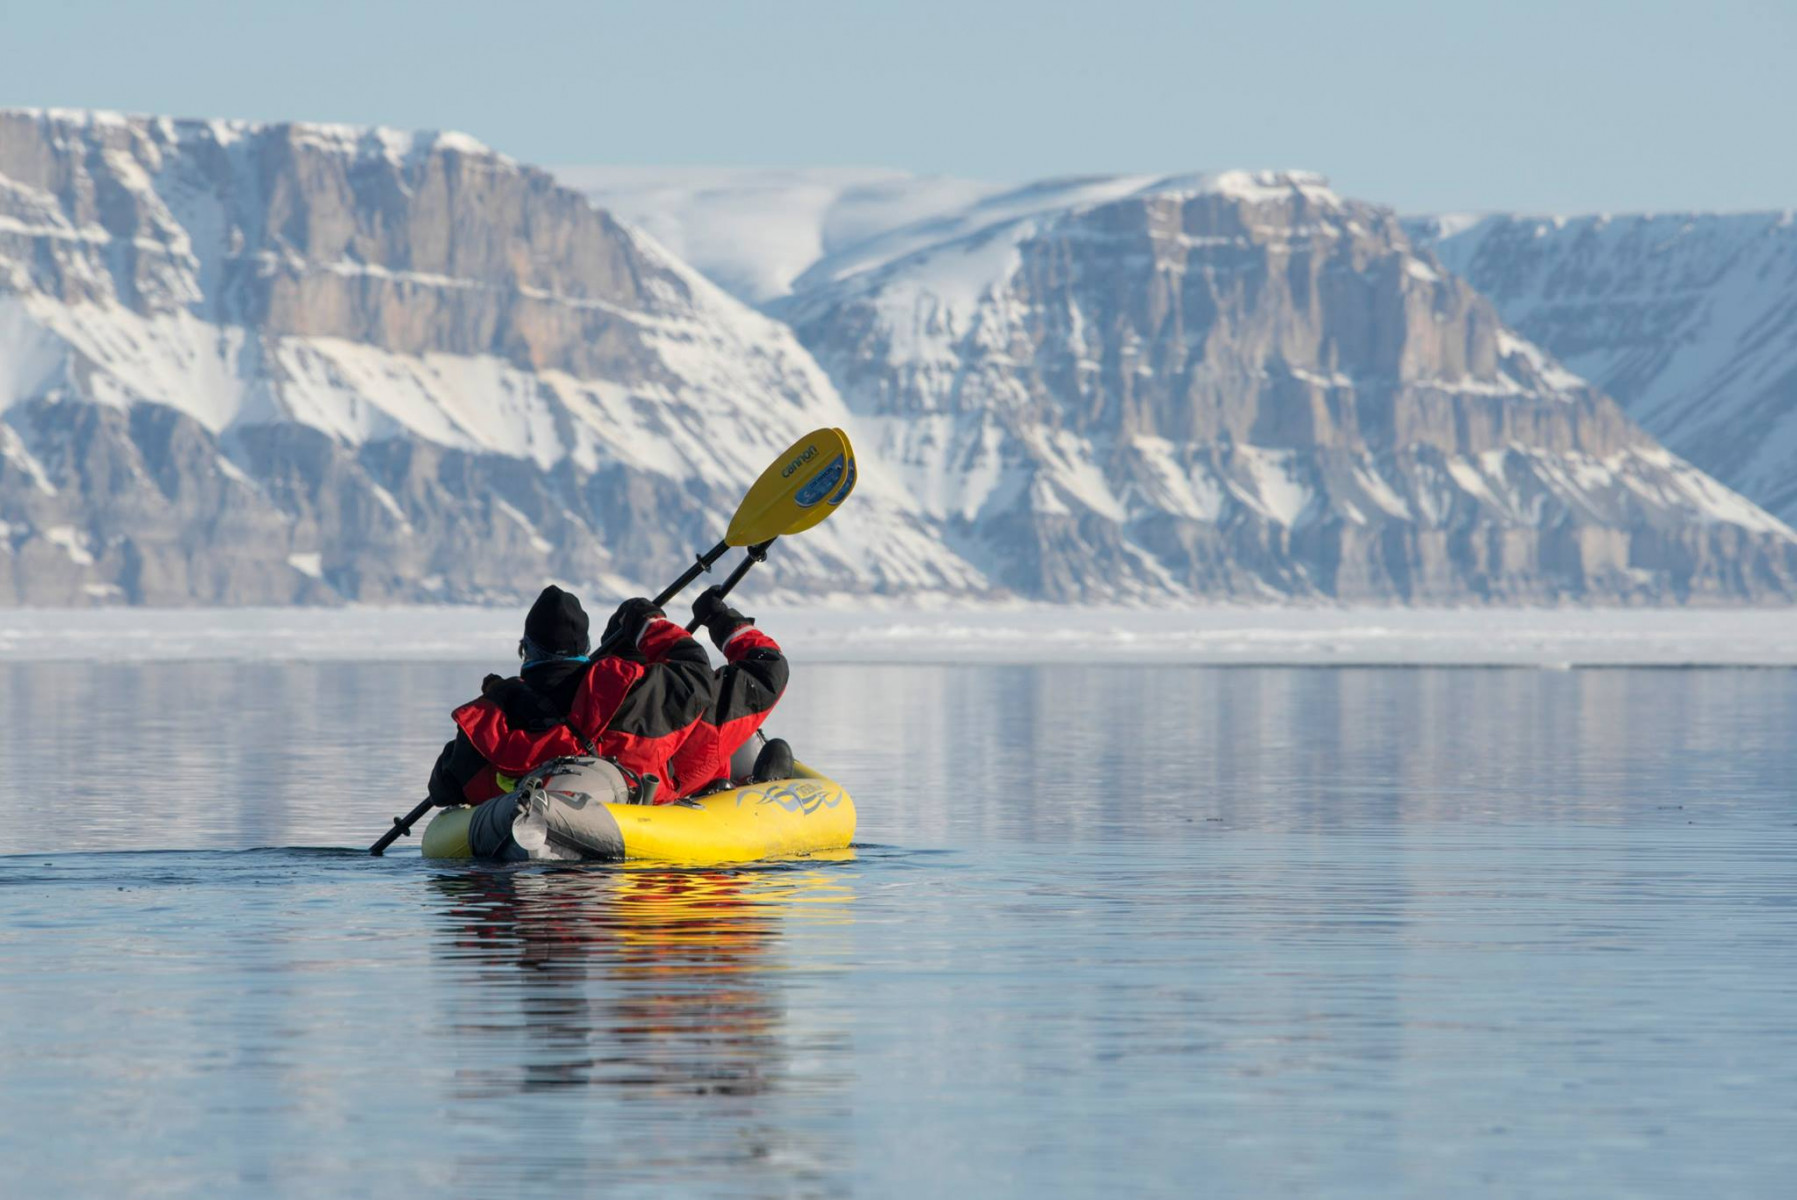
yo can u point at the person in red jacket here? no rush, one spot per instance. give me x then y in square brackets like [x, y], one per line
[635, 706]
[747, 687]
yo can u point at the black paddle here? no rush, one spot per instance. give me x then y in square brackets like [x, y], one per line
[757, 553]
[798, 490]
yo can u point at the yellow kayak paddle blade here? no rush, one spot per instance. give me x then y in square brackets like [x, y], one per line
[816, 513]
[801, 488]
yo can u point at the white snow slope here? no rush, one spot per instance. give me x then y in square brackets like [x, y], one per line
[754, 230]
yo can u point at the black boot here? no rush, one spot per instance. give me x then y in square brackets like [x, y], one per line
[774, 762]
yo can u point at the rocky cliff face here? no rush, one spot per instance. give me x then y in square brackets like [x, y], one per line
[1244, 385]
[1689, 320]
[246, 363]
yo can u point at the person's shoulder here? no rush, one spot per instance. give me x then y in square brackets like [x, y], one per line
[520, 701]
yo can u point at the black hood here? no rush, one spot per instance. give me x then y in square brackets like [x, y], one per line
[557, 624]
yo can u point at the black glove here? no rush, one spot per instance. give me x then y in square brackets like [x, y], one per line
[626, 625]
[491, 684]
[719, 619]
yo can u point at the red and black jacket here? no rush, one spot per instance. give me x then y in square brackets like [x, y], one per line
[635, 708]
[748, 686]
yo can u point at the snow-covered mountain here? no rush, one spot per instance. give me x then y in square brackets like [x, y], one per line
[278, 363]
[249, 362]
[1690, 320]
[754, 230]
[1243, 384]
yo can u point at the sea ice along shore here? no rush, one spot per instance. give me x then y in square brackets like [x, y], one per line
[1237, 636]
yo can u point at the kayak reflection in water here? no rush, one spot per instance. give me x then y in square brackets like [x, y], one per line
[666, 984]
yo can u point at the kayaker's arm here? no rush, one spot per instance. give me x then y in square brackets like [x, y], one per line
[459, 768]
[754, 678]
[748, 687]
[637, 707]
[675, 687]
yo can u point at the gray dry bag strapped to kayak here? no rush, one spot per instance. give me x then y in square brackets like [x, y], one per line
[556, 813]
[742, 763]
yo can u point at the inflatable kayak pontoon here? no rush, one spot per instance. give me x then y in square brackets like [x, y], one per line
[573, 811]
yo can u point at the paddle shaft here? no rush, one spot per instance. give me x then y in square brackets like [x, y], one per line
[401, 825]
[700, 565]
[757, 553]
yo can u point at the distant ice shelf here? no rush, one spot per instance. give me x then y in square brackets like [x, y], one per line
[1226, 636]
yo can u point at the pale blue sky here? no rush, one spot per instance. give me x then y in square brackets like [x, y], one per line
[1571, 106]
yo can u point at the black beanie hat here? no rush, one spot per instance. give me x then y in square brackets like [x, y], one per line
[557, 624]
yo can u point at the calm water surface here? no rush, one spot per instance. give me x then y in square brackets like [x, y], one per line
[1108, 932]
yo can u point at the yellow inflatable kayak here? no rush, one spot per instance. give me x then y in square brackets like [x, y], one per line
[803, 815]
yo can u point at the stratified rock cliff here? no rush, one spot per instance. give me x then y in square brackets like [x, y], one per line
[1688, 319]
[245, 363]
[1244, 385]
[298, 363]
